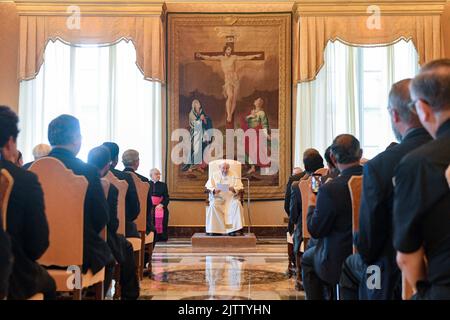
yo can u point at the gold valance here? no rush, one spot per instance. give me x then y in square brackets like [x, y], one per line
[315, 28]
[38, 25]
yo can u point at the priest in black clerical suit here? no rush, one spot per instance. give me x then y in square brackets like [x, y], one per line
[132, 205]
[120, 247]
[422, 194]
[26, 223]
[65, 138]
[374, 241]
[160, 193]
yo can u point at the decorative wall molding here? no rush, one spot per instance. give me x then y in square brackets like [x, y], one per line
[90, 7]
[360, 7]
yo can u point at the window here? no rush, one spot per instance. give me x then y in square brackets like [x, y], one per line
[105, 90]
[350, 95]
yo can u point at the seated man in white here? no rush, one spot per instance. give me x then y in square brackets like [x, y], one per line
[225, 212]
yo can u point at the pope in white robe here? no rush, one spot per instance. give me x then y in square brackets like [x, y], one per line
[225, 212]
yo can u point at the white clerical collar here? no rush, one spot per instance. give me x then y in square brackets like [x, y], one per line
[153, 181]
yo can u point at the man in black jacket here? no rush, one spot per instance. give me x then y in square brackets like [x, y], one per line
[330, 221]
[374, 241]
[26, 223]
[130, 160]
[122, 250]
[65, 138]
[312, 161]
[422, 194]
[296, 175]
[132, 205]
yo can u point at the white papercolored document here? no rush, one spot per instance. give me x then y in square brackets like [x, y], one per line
[223, 187]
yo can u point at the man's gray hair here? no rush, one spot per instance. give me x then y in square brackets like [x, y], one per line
[41, 150]
[400, 100]
[129, 157]
[153, 170]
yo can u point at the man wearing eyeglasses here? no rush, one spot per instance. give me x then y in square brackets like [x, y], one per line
[422, 196]
[374, 243]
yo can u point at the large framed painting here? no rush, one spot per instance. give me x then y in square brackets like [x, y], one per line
[229, 97]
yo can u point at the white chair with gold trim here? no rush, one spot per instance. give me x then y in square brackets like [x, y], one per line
[65, 215]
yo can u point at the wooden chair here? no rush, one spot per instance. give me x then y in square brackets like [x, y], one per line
[6, 185]
[304, 186]
[65, 215]
[322, 171]
[355, 188]
[407, 290]
[141, 221]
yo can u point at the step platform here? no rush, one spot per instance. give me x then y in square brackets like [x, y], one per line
[201, 242]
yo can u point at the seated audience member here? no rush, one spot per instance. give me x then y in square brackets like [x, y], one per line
[39, 151]
[122, 250]
[374, 241]
[130, 160]
[333, 172]
[330, 221]
[132, 205]
[312, 161]
[422, 195]
[296, 175]
[65, 138]
[159, 197]
[26, 223]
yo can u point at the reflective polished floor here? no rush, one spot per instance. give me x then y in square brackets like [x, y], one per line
[179, 273]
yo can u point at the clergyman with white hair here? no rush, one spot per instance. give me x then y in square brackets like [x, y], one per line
[39, 151]
[160, 201]
[225, 211]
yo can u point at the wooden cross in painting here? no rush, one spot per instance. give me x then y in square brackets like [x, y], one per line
[228, 59]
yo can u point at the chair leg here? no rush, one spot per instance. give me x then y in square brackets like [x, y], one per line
[99, 291]
[117, 287]
[150, 254]
[141, 266]
[77, 294]
[137, 260]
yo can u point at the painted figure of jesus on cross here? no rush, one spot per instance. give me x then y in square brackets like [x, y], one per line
[228, 59]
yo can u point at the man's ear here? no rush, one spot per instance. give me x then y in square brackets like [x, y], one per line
[423, 111]
[333, 159]
[395, 116]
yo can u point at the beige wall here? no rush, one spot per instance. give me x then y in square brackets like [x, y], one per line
[192, 213]
[9, 41]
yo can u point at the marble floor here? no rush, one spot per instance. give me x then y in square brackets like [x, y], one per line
[180, 273]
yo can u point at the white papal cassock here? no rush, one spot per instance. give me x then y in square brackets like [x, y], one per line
[225, 212]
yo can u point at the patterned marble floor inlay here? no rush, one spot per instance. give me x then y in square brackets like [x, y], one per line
[219, 276]
[181, 274]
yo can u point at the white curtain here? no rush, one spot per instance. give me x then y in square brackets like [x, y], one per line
[104, 89]
[349, 95]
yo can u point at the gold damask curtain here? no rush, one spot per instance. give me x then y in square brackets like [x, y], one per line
[146, 32]
[312, 34]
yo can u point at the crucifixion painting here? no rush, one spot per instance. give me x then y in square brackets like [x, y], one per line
[228, 59]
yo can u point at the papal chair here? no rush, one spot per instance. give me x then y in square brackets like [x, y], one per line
[65, 216]
[355, 188]
[122, 187]
[141, 222]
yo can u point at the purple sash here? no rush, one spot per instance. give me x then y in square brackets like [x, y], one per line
[159, 214]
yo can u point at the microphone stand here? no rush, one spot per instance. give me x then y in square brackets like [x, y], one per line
[248, 203]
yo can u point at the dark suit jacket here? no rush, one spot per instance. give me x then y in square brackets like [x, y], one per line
[96, 253]
[330, 222]
[287, 194]
[377, 198]
[132, 206]
[28, 229]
